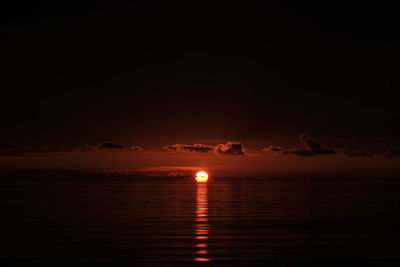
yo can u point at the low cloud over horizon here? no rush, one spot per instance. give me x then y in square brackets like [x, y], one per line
[310, 148]
[12, 149]
[307, 147]
[358, 153]
[113, 147]
[228, 148]
[189, 148]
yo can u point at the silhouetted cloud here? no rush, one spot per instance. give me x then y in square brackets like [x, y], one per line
[393, 153]
[276, 150]
[113, 147]
[357, 153]
[228, 148]
[12, 149]
[189, 148]
[310, 148]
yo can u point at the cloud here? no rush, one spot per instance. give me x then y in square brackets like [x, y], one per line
[310, 148]
[393, 153]
[113, 147]
[11, 149]
[189, 148]
[228, 148]
[357, 153]
[276, 150]
[168, 171]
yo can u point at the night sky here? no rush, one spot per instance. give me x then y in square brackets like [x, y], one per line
[306, 87]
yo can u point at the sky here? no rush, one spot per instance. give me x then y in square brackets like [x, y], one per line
[244, 89]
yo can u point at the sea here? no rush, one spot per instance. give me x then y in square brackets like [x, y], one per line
[287, 221]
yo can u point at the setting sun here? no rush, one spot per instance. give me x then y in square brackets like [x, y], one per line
[201, 177]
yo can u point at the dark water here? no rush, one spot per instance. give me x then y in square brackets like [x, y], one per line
[276, 222]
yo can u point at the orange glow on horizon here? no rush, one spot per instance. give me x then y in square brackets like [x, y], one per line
[201, 177]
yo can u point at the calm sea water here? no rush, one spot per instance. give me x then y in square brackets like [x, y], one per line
[245, 222]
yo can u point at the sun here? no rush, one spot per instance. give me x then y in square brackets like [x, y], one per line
[201, 177]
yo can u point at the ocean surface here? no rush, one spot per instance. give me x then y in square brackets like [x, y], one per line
[238, 221]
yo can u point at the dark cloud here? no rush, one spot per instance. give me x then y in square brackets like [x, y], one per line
[388, 152]
[357, 153]
[276, 150]
[189, 148]
[393, 153]
[310, 148]
[113, 147]
[230, 148]
[11, 149]
[25, 150]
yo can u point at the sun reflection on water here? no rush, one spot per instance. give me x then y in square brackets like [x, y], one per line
[201, 224]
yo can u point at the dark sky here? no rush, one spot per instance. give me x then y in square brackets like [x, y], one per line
[153, 74]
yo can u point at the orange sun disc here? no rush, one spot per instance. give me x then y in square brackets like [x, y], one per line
[201, 177]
